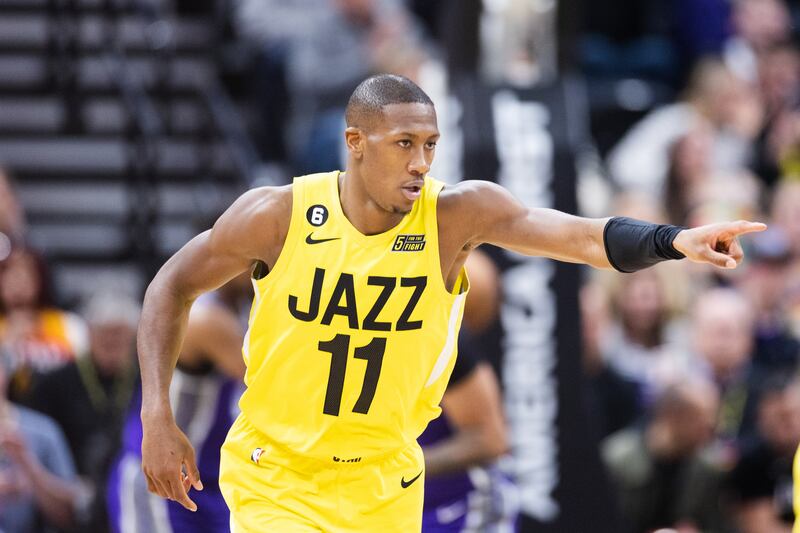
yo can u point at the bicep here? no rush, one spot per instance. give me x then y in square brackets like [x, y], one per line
[241, 236]
[500, 219]
[202, 265]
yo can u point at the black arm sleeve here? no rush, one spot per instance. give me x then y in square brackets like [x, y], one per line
[632, 245]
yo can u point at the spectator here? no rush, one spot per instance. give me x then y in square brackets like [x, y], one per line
[662, 478]
[89, 396]
[36, 336]
[786, 212]
[722, 337]
[464, 491]
[786, 216]
[613, 401]
[779, 78]
[335, 46]
[714, 95]
[764, 282]
[695, 193]
[761, 484]
[758, 24]
[643, 342]
[778, 155]
[689, 170]
[38, 489]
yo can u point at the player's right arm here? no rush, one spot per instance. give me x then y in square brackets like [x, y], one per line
[477, 212]
[252, 229]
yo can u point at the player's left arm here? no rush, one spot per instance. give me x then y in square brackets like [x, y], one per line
[484, 212]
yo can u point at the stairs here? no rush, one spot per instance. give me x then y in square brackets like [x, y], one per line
[118, 134]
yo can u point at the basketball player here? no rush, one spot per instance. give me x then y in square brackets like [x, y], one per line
[352, 334]
[464, 491]
[205, 389]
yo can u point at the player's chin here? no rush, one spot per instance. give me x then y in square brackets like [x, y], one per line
[402, 206]
[402, 209]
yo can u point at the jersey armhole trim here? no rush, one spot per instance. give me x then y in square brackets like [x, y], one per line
[461, 284]
[290, 244]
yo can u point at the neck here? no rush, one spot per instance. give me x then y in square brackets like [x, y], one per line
[360, 209]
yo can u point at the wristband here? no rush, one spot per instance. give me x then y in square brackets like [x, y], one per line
[632, 245]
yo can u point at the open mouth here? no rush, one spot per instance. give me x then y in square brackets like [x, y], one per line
[412, 192]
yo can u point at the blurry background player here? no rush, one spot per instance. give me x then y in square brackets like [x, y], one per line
[463, 491]
[204, 396]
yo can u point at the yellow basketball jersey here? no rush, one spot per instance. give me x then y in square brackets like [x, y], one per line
[352, 338]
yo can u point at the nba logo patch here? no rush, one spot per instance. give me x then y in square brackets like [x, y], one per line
[256, 455]
[409, 243]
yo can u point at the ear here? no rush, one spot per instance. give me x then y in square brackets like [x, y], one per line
[354, 139]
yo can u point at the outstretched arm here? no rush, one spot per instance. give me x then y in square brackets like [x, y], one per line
[252, 229]
[486, 213]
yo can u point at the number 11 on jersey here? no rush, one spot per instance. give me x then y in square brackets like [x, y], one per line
[339, 348]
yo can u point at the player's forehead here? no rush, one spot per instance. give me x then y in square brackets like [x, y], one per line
[414, 118]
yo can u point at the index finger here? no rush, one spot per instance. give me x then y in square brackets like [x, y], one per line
[743, 226]
[180, 495]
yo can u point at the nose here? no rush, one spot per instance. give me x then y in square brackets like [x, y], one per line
[419, 164]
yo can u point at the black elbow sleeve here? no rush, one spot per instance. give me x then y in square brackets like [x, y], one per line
[632, 245]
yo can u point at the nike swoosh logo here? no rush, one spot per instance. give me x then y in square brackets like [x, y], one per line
[405, 484]
[310, 240]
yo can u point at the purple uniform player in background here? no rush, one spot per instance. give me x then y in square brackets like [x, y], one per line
[204, 395]
[464, 490]
[205, 407]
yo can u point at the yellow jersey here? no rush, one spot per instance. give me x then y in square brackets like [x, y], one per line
[352, 337]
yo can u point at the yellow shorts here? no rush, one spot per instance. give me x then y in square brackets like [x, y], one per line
[273, 490]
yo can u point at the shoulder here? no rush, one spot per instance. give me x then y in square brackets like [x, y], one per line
[472, 196]
[467, 191]
[263, 202]
[469, 206]
[260, 214]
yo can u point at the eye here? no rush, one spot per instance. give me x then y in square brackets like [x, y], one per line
[405, 143]
[430, 145]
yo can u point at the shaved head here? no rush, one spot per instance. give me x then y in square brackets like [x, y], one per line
[373, 94]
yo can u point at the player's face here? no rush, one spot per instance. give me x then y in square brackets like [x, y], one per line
[398, 153]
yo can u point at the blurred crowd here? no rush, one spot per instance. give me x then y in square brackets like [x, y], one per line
[693, 371]
[692, 380]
